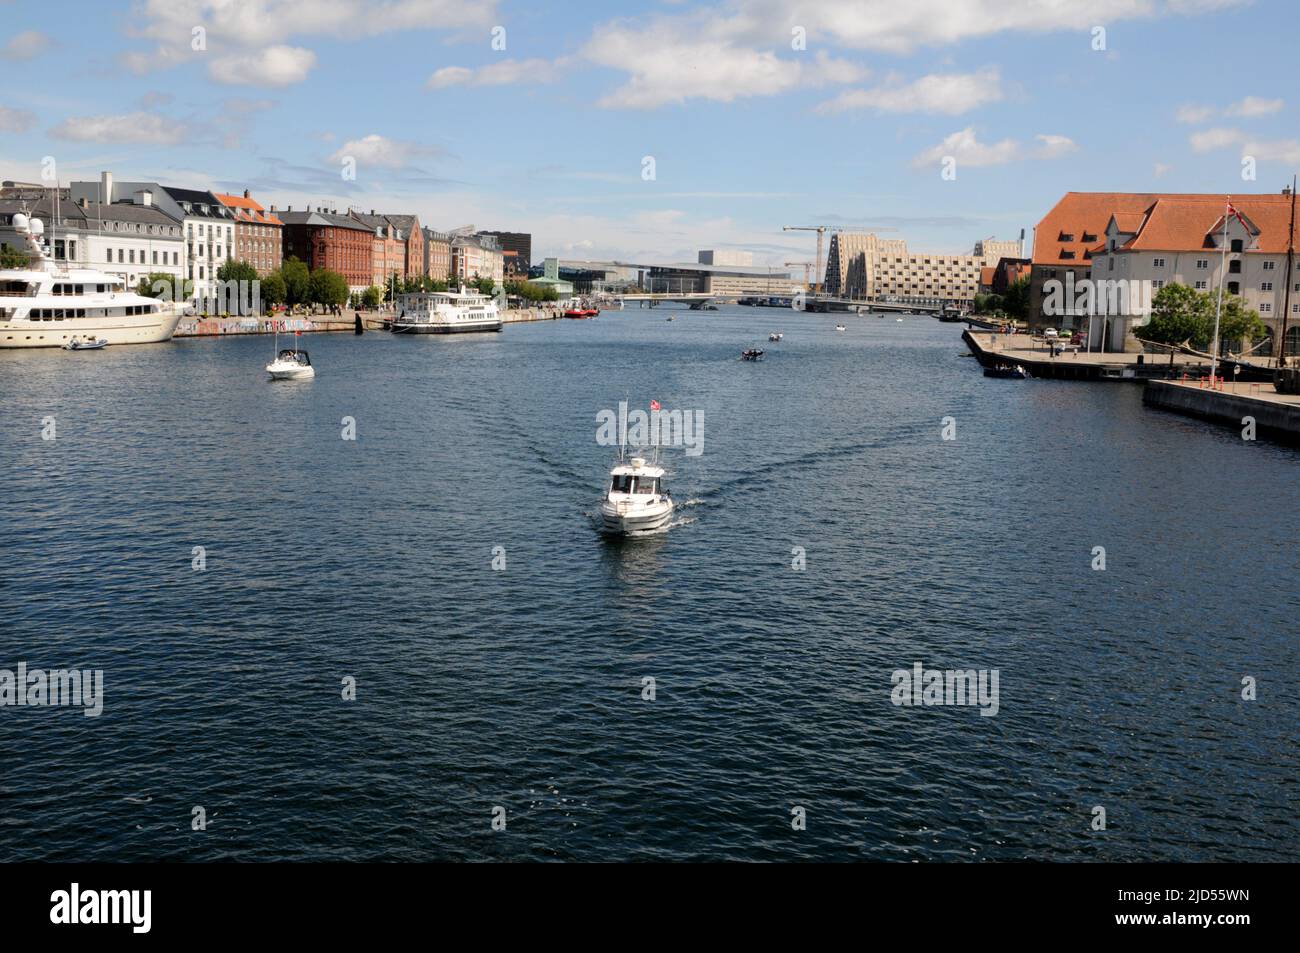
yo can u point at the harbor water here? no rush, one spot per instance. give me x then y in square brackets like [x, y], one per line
[212, 542]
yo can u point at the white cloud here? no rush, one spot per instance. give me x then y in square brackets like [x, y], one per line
[685, 58]
[1161, 169]
[1218, 138]
[16, 120]
[1286, 151]
[376, 150]
[965, 147]
[504, 73]
[1253, 106]
[140, 127]
[241, 28]
[25, 46]
[945, 93]
[1193, 114]
[273, 66]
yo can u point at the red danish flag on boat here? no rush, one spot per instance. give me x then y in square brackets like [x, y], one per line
[654, 405]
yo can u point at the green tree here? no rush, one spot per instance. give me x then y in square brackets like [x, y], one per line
[236, 271]
[1016, 301]
[160, 284]
[1180, 314]
[273, 289]
[328, 287]
[485, 285]
[297, 281]
[372, 297]
[11, 257]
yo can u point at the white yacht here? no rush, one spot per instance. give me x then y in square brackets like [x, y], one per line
[446, 312]
[49, 304]
[636, 501]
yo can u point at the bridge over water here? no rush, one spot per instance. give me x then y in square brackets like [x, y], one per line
[801, 302]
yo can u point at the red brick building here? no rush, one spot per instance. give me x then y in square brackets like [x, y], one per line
[403, 229]
[257, 232]
[328, 240]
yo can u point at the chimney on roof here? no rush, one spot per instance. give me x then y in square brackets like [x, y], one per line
[106, 187]
[246, 195]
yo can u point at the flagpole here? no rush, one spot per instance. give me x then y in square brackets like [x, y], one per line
[1218, 308]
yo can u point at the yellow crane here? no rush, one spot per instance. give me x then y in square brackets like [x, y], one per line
[807, 270]
[821, 234]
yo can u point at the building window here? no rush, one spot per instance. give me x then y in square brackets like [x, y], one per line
[1236, 245]
[1268, 265]
[1202, 263]
[1234, 266]
[1157, 262]
[1265, 307]
[1266, 286]
[1234, 288]
[1200, 286]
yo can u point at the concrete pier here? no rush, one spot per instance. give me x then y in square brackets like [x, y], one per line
[1276, 416]
[991, 348]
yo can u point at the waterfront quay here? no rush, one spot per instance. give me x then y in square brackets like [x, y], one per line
[991, 348]
[317, 324]
[1275, 415]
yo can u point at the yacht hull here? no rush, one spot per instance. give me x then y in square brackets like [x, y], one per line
[142, 329]
[621, 522]
[469, 327]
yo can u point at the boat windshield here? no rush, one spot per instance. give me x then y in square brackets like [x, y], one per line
[647, 485]
[621, 483]
[299, 357]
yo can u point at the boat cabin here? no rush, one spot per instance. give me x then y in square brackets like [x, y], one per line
[294, 357]
[636, 479]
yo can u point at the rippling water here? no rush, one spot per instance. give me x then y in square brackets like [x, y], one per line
[522, 688]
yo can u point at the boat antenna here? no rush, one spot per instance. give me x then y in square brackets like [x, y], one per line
[622, 447]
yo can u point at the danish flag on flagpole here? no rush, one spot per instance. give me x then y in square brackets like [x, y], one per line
[654, 405]
[1232, 210]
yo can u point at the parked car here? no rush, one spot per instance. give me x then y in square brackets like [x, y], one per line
[1050, 333]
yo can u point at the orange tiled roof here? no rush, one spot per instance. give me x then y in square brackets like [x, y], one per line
[247, 210]
[1177, 225]
[1059, 238]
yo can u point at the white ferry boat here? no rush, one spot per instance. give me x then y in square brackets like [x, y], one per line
[50, 305]
[446, 312]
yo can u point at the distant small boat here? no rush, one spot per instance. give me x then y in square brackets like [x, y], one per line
[76, 344]
[1007, 371]
[752, 354]
[581, 312]
[840, 327]
[669, 318]
[775, 336]
[899, 320]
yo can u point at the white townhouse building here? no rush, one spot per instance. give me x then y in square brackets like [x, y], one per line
[208, 225]
[1179, 239]
[129, 239]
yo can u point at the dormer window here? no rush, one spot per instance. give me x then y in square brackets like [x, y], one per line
[1066, 237]
[1089, 237]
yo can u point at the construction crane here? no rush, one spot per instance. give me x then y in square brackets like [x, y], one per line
[807, 270]
[821, 234]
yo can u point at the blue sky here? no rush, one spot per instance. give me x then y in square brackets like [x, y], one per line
[747, 133]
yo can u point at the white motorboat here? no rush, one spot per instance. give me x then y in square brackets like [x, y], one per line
[446, 312]
[636, 501]
[49, 304]
[291, 364]
[775, 336]
[77, 344]
[840, 327]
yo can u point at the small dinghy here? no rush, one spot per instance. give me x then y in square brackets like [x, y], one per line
[751, 354]
[840, 327]
[775, 336]
[291, 365]
[1007, 372]
[77, 344]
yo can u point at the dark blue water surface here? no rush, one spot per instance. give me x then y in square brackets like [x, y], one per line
[522, 688]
